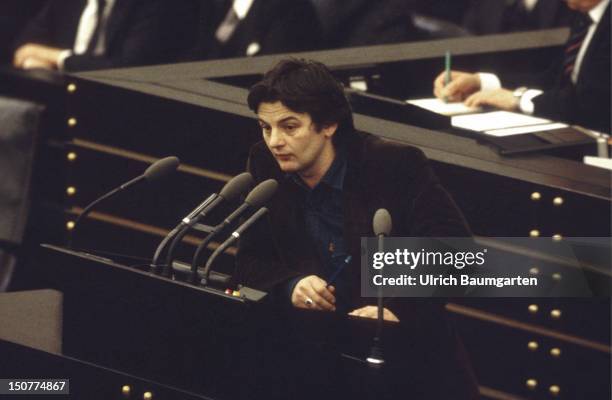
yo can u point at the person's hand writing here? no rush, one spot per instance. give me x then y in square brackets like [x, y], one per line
[372, 312]
[462, 85]
[498, 98]
[312, 292]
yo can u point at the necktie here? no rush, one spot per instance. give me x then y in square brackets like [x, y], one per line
[98, 31]
[572, 47]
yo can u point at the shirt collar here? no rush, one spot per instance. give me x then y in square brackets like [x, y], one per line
[334, 177]
[598, 11]
[242, 7]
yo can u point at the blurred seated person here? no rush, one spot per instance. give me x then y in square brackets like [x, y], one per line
[13, 16]
[577, 88]
[77, 35]
[241, 28]
[486, 17]
[349, 23]
[444, 10]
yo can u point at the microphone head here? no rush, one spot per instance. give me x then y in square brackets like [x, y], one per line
[261, 193]
[161, 168]
[236, 186]
[382, 222]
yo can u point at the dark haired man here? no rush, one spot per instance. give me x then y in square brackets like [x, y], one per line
[331, 181]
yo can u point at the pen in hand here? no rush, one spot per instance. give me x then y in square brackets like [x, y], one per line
[333, 278]
[447, 71]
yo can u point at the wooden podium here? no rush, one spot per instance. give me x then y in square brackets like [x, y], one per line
[202, 340]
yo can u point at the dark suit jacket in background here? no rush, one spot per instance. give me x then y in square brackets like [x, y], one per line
[486, 17]
[277, 26]
[138, 32]
[586, 103]
[14, 14]
[379, 174]
[349, 23]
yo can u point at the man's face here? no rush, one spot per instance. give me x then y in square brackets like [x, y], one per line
[293, 140]
[582, 5]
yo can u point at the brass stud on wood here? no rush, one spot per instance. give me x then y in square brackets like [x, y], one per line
[554, 390]
[558, 201]
[70, 225]
[533, 308]
[535, 196]
[533, 345]
[72, 122]
[147, 396]
[555, 352]
[71, 88]
[556, 276]
[71, 156]
[126, 390]
[556, 313]
[534, 271]
[534, 233]
[557, 237]
[70, 190]
[531, 383]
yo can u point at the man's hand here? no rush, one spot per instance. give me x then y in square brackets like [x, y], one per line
[462, 85]
[498, 98]
[36, 63]
[45, 56]
[312, 292]
[372, 312]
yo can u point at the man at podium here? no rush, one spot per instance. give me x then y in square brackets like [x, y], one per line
[332, 179]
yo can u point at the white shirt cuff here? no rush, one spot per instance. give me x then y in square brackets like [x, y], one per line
[526, 103]
[489, 81]
[61, 58]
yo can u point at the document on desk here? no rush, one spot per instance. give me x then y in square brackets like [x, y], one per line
[598, 162]
[519, 130]
[439, 107]
[497, 120]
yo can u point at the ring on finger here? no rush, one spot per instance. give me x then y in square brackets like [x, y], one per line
[308, 301]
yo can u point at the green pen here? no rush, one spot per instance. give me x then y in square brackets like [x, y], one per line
[447, 71]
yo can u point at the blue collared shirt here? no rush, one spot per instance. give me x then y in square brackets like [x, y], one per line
[324, 218]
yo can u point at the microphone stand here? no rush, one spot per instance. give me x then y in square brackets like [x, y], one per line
[376, 359]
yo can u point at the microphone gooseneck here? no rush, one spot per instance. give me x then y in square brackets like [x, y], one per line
[382, 225]
[229, 241]
[230, 192]
[156, 171]
[255, 199]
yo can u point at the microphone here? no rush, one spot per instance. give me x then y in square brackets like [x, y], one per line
[231, 191]
[381, 224]
[156, 171]
[233, 237]
[255, 199]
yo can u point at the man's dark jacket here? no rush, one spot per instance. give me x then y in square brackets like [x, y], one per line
[270, 25]
[586, 103]
[138, 32]
[490, 17]
[379, 174]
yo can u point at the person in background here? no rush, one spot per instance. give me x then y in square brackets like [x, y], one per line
[349, 23]
[577, 88]
[245, 28]
[75, 35]
[499, 16]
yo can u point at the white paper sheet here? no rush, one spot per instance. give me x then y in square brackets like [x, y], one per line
[438, 106]
[495, 120]
[598, 162]
[526, 129]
